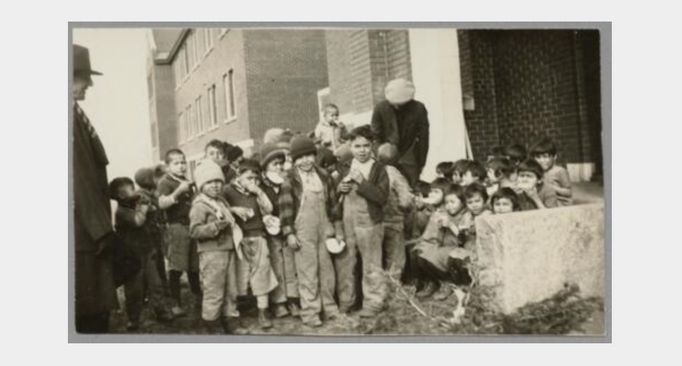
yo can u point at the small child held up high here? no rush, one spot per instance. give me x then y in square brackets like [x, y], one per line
[545, 153]
[330, 131]
[136, 232]
[212, 226]
[251, 204]
[533, 192]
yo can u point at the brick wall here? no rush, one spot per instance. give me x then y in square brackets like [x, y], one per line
[481, 122]
[531, 84]
[361, 62]
[285, 69]
[164, 108]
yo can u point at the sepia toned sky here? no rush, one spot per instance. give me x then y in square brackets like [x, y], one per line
[117, 103]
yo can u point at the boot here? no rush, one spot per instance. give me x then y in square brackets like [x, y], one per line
[213, 326]
[231, 325]
[280, 311]
[263, 320]
[294, 309]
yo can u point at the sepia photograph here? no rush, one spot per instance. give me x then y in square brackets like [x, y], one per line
[254, 181]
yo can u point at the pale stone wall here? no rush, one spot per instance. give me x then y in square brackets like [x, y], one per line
[528, 256]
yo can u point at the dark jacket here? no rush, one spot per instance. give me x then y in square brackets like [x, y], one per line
[95, 291]
[403, 127]
[375, 189]
[290, 199]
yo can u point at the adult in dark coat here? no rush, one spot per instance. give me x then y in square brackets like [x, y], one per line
[403, 121]
[94, 236]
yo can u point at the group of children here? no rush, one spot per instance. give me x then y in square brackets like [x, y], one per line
[265, 226]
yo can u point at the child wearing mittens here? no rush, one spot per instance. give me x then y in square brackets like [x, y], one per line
[251, 205]
[212, 226]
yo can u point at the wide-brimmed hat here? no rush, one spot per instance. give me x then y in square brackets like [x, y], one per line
[399, 91]
[81, 61]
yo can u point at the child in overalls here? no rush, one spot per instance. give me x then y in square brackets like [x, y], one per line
[285, 296]
[365, 187]
[251, 204]
[307, 215]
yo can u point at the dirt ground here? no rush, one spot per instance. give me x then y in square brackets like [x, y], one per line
[401, 318]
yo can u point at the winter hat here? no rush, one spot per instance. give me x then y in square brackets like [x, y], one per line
[270, 151]
[206, 171]
[399, 91]
[144, 177]
[301, 145]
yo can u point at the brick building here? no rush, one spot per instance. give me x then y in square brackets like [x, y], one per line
[232, 85]
[482, 88]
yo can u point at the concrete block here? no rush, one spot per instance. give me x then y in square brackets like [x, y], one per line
[528, 256]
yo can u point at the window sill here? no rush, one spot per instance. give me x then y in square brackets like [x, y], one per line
[222, 34]
[230, 120]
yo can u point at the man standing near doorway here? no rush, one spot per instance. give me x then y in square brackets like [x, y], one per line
[403, 122]
[94, 235]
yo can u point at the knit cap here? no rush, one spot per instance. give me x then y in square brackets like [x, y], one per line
[206, 171]
[270, 151]
[301, 145]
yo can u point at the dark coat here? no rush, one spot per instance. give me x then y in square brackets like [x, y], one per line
[375, 189]
[404, 127]
[95, 292]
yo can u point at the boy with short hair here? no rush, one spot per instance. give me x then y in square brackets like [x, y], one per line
[136, 232]
[474, 173]
[533, 192]
[251, 205]
[365, 187]
[175, 193]
[504, 201]
[273, 183]
[330, 131]
[309, 219]
[400, 201]
[545, 153]
[212, 226]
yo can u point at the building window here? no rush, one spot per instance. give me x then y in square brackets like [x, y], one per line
[228, 84]
[198, 107]
[212, 107]
[182, 132]
[190, 122]
[185, 62]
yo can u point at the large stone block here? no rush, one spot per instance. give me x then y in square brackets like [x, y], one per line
[528, 256]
